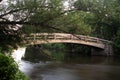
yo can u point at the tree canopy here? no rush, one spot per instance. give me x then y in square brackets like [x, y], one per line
[99, 18]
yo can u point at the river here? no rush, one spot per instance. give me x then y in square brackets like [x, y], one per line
[83, 68]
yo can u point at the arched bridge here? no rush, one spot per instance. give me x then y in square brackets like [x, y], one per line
[39, 38]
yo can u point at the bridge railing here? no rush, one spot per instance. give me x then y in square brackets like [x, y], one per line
[64, 36]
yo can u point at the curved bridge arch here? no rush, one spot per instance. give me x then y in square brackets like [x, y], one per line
[40, 38]
[97, 45]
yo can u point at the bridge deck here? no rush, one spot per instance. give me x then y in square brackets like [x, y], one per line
[39, 38]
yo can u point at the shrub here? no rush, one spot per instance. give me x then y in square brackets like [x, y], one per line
[9, 69]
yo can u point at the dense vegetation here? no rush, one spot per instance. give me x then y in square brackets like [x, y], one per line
[55, 52]
[100, 18]
[45, 52]
[9, 69]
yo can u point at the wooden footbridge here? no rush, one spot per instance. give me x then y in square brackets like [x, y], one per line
[40, 38]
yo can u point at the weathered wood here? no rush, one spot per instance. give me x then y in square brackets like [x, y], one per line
[40, 38]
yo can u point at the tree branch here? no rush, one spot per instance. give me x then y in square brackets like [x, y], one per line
[12, 11]
[16, 10]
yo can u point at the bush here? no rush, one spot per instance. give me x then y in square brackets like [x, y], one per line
[9, 69]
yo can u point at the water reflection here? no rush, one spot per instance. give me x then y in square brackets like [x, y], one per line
[71, 71]
[82, 68]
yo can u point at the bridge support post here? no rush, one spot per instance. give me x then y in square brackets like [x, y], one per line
[34, 37]
[107, 51]
[54, 37]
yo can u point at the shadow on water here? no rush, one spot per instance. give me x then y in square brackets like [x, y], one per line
[80, 68]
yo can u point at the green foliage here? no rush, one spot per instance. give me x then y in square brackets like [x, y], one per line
[73, 22]
[32, 11]
[100, 18]
[78, 50]
[58, 56]
[106, 16]
[45, 52]
[57, 51]
[49, 13]
[37, 53]
[9, 69]
[117, 43]
[29, 29]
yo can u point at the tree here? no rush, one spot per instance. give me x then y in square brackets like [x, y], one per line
[106, 16]
[17, 13]
[84, 17]
[74, 23]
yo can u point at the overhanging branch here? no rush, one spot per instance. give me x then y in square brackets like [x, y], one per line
[16, 10]
[12, 11]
